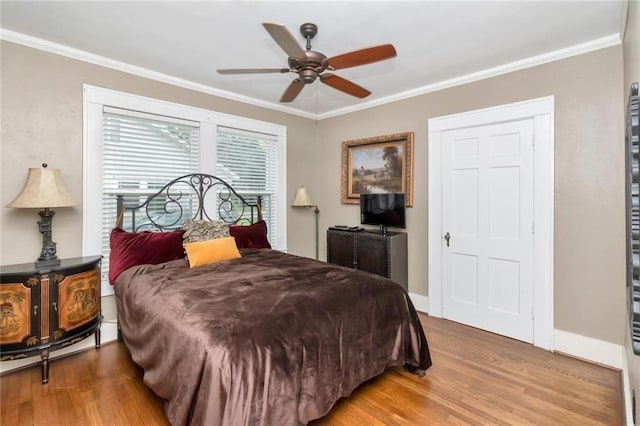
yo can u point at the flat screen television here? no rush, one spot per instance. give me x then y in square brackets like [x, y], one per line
[383, 210]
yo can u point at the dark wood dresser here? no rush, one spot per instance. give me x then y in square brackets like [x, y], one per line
[371, 251]
[43, 309]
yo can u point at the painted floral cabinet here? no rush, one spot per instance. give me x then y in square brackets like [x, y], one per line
[47, 309]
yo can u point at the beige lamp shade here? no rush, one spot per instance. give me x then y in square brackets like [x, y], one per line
[44, 188]
[302, 198]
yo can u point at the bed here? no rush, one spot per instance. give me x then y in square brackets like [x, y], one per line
[266, 338]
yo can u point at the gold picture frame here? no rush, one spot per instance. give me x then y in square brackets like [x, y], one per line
[377, 164]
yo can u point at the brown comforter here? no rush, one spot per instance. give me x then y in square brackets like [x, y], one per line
[267, 339]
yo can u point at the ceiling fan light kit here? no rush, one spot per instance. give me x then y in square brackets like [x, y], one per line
[309, 64]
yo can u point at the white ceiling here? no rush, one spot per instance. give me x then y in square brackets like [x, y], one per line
[438, 43]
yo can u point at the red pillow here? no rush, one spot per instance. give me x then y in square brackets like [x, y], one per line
[252, 236]
[130, 249]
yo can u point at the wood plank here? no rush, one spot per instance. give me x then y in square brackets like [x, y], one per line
[477, 378]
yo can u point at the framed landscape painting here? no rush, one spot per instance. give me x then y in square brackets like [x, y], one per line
[382, 164]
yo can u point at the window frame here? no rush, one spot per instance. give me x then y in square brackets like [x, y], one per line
[632, 143]
[94, 101]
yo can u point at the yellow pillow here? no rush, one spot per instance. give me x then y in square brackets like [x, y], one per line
[203, 252]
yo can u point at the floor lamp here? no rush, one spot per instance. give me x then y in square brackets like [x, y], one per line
[302, 199]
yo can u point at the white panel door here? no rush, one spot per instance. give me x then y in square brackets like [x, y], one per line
[487, 221]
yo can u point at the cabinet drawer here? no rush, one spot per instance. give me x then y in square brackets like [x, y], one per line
[340, 248]
[373, 255]
[19, 312]
[75, 302]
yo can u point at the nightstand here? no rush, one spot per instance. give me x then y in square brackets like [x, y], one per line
[47, 308]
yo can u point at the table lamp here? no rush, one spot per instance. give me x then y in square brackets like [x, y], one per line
[44, 189]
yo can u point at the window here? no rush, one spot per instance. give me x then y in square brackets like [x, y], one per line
[632, 156]
[134, 146]
[247, 161]
[140, 154]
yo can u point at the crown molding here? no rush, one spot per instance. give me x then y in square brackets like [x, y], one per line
[578, 49]
[81, 55]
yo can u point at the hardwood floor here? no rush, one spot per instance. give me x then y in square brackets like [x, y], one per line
[477, 378]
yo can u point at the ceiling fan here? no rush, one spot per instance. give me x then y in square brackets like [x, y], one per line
[310, 65]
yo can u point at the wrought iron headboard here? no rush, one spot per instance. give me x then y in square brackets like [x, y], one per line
[189, 197]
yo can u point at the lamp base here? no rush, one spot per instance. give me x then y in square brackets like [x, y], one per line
[48, 254]
[46, 263]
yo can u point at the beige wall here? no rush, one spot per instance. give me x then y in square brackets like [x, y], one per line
[631, 48]
[589, 156]
[41, 113]
[42, 121]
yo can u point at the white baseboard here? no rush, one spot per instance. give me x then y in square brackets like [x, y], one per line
[579, 346]
[588, 348]
[108, 333]
[576, 345]
[420, 302]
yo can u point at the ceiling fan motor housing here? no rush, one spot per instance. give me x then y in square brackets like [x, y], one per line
[309, 68]
[308, 76]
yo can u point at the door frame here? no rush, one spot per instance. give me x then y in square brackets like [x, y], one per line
[541, 110]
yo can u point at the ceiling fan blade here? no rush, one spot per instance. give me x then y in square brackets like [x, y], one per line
[344, 85]
[362, 57]
[292, 91]
[285, 39]
[253, 70]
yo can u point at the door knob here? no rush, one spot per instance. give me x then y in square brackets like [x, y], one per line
[447, 237]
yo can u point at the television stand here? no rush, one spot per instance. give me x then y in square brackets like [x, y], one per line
[372, 251]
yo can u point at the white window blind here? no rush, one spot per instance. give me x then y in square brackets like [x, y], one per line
[134, 145]
[248, 161]
[141, 153]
